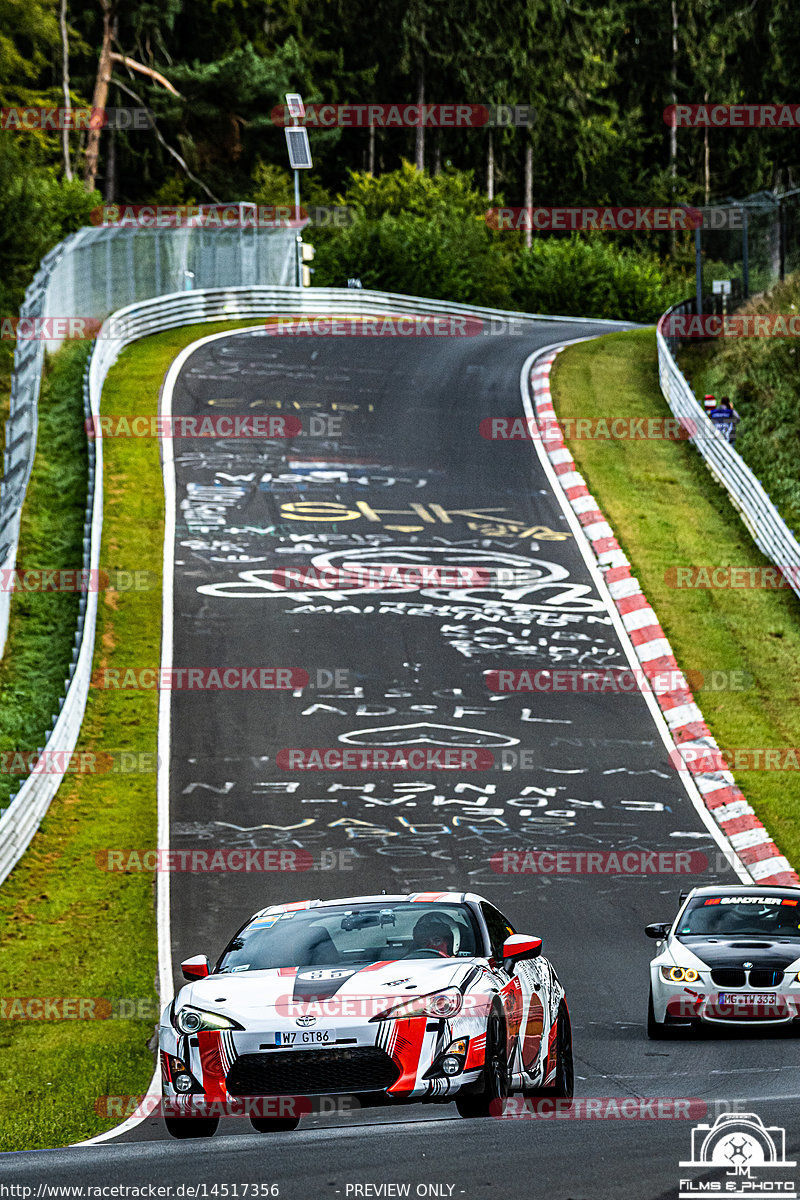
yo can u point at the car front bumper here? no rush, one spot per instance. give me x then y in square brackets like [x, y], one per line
[679, 1004]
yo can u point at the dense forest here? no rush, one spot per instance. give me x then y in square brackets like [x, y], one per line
[212, 72]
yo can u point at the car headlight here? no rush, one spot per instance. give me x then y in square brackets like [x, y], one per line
[446, 1003]
[194, 1020]
[679, 974]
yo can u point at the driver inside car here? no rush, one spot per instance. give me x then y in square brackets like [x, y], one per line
[433, 932]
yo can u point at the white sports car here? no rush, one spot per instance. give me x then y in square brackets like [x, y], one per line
[387, 999]
[730, 957]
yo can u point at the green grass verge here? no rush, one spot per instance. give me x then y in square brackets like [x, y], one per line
[68, 929]
[42, 624]
[666, 511]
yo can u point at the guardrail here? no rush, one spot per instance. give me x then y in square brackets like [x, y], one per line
[88, 275]
[762, 519]
[19, 822]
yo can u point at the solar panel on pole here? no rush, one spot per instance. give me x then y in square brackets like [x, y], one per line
[298, 147]
[294, 102]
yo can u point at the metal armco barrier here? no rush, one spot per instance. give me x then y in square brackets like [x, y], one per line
[19, 822]
[90, 274]
[762, 519]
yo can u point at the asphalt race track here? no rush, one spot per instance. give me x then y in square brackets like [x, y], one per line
[403, 475]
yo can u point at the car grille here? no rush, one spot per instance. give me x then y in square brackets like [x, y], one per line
[312, 1072]
[761, 977]
[736, 977]
[728, 977]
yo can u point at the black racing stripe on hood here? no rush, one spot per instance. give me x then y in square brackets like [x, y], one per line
[732, 952]
[306, 987]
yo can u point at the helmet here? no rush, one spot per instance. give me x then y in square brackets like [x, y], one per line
[434, 932]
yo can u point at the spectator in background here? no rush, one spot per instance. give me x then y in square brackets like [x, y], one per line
[725, 418]
[709, 402]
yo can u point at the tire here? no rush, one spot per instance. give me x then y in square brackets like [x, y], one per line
[274, 1124]
[657, 1031]
[490, 1102]
[563, 1087]
[191, 1127]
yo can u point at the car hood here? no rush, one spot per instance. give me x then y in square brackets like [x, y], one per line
[250, 992]
[735, 951]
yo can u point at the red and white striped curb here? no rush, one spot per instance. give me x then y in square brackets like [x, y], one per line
[689, 732]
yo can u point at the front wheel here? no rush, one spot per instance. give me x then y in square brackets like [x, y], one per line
[491, 1101]
[191, 1127]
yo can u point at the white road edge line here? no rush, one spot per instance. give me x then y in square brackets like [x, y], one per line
[165, 984]
[594, 570]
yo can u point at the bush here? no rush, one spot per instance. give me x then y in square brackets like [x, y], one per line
[762, 377]
[592, 277]
[427, 235]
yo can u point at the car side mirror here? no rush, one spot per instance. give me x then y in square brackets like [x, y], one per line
[197, 967]
[659, 929]
[518, 947]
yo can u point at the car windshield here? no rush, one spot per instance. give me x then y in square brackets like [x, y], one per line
[741, 916]
[352, 935]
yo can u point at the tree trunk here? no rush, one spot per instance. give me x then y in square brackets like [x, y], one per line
[62, 21]
[419, 150]
[528, 191]
[437, 152]
[99, 99]
[371, 157]
[706, 161]
[110, 189]
[490, 166]
[673, 131]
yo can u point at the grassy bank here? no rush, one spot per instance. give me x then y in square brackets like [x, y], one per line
[42, 624]
[762, 377]
[667, 511]
[68, 929]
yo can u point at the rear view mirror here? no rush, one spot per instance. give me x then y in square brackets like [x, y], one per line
[197, 967]
[658, 929]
